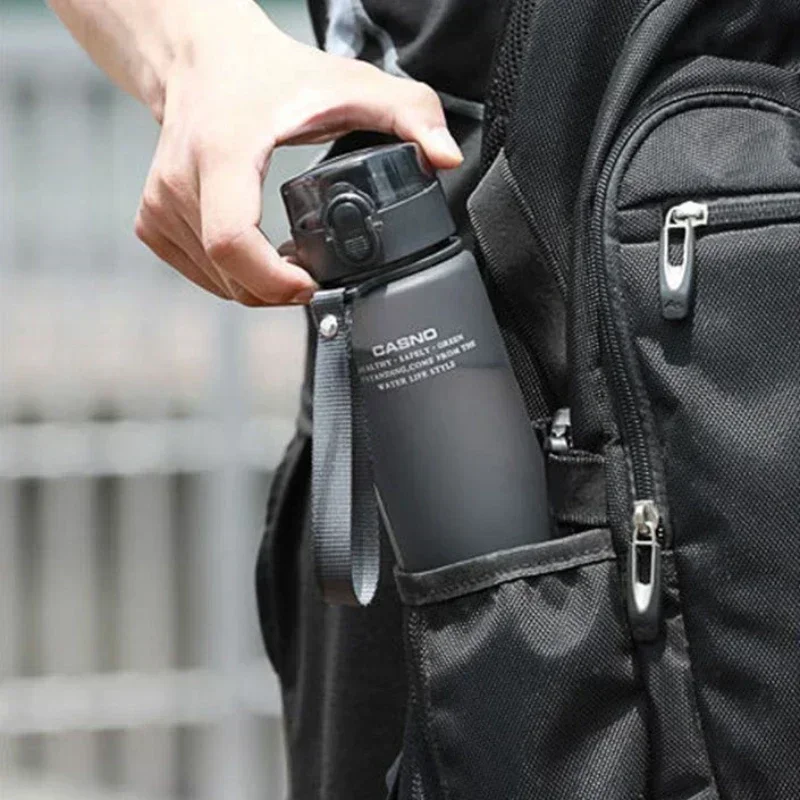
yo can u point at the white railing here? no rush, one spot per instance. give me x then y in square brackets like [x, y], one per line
[139, 424]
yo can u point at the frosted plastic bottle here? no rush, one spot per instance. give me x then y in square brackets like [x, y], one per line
[457, 467]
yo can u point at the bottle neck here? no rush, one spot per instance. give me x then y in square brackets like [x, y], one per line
[406, 266]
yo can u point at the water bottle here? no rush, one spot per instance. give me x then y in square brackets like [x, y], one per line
[455, 462]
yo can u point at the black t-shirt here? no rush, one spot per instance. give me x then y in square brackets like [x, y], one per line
[445, 43]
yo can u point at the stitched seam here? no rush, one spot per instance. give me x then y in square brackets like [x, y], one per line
[576, 518]
[578, 458]
[580, 559]
[526, 565]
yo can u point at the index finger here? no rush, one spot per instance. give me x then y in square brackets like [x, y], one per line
[230, 211]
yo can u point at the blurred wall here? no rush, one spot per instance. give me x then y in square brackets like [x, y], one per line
[140, 422]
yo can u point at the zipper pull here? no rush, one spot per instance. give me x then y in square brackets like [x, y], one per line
[676, 280]
[560, 438]
[644, 571]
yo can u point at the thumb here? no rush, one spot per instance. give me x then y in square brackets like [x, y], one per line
[437, 144]
[412, 111]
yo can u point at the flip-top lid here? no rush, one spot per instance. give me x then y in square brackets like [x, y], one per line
[354, 214]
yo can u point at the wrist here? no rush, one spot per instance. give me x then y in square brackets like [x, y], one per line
[198, 36]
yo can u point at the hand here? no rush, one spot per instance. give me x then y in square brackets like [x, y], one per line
[238, 90]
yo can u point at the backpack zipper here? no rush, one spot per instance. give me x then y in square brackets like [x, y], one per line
[644, 570]
[648, 534]
[559, 439]
[676, 280]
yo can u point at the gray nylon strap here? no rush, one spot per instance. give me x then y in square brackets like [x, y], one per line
[343, 506]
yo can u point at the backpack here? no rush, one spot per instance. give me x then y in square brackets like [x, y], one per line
[638, 223]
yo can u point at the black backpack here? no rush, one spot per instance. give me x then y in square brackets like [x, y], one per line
[639, 227]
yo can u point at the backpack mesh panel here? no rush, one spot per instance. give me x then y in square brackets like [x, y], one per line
[508, 62]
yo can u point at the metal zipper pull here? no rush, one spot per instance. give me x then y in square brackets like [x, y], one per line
[560, 438]
[676, 280]
[644, 571]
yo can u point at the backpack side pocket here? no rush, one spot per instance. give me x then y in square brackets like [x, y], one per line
[523, 679]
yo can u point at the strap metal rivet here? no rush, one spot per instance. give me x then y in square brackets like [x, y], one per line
[329, 326]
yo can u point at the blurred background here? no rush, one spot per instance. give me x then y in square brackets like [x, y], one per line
[140, 423]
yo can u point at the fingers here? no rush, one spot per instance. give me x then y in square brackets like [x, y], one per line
[359, 96]
[165, 223]
[169, 223]
[202, 204]
[178, 230]
[230, 210]
[410, 110]
[288, 250]
[422, 120]
[169, 252]
[437, 144]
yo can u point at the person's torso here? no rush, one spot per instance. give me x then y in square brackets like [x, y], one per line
[447, 44]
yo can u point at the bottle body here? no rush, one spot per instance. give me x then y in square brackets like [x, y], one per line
[457, 466]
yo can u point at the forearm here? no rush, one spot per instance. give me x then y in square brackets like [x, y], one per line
[137, 42]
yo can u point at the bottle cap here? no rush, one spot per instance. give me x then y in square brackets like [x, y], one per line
[354, 214]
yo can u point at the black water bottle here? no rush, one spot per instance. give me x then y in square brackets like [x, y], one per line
[456, 464]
